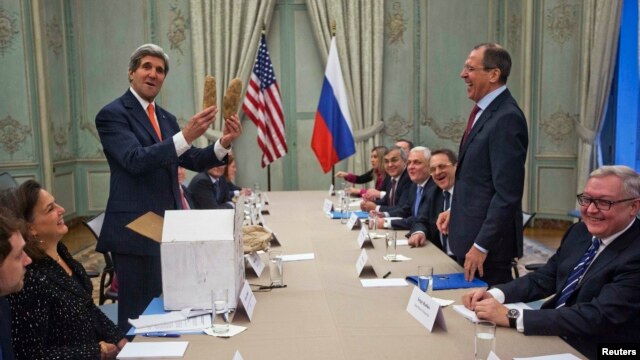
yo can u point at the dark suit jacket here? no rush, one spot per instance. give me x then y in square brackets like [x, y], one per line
[605, 306]
[405, 210]
[426, 221]
[487, 205]
[204, 196]
[188, 196]
[6, 349]
[144, 171]
[54, 316]
[404, 183]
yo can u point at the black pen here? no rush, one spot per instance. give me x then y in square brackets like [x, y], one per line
[161, 334]
[386, 275]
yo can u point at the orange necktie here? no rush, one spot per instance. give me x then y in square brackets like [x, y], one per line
[154, 123]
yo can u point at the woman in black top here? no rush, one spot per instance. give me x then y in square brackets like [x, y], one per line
[54, 316]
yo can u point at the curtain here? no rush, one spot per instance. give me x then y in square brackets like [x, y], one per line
[225, 40]
[360, 41]
[601, 28]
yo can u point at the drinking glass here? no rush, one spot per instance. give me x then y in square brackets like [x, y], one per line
[485, 340]
[425, 278]
[220, 311]
[390, 241]
[275, 268]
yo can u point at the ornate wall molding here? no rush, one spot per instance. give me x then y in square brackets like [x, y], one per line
[558, 126]
[514, 32]
[60, 134]
[452, 129]
[9, 30]
[54, 35]
[562, 22]
[396, 24]
[178, 26]
[12, 134]
[396, 126]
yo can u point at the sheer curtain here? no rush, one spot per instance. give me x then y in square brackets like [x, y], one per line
[601, 28]
[225, 41]
[360, 41]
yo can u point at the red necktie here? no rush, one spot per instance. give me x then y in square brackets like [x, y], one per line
[152, 118]
[392, 195]
[185, 204]
[472, 117]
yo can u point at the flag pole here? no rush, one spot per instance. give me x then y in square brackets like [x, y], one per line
[264, 33]
[333, 167]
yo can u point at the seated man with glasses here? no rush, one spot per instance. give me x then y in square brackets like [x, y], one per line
[593, 279]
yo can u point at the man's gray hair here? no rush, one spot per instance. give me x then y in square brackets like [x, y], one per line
[630, 178]
[425, 151]
[148, 50]
[403, 154]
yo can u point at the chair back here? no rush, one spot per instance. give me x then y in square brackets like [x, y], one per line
[526, 218]
[7, 181]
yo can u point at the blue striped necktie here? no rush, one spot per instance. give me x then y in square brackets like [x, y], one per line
[445, 207]
[578, 272]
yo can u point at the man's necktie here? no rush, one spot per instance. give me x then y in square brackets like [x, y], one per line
[154, 123]
[578, 272]
[185, 204]
[216, 190]
[472, 118]
[392, 193]
[416, 205]
[447, 204]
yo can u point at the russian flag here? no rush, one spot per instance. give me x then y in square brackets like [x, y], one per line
[332, 138]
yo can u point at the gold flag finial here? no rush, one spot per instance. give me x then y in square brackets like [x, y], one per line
[264, 29]
[333, 28]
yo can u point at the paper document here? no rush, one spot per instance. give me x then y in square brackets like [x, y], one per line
[402, 242]
[443, 302]
[153, 350]
[396, 258]
[383, 282]
[462, 310]
[173, 316]
[296, 257]
[565, 356]
[197, 323]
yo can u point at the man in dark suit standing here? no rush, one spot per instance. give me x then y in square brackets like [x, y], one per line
[210, 190]
[484, 224]
[13, 261]
[144, 147]
[594, 276]
[442, 167]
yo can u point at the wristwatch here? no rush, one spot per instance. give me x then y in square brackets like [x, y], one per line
[512, 315]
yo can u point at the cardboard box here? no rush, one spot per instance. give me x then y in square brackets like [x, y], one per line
[201, 250]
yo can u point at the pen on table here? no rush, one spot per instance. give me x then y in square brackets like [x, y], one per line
[386, 275]
[160, 334]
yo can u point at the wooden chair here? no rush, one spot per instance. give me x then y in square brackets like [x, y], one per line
[107, 276]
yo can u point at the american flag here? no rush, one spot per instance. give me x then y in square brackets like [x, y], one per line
[263, 106]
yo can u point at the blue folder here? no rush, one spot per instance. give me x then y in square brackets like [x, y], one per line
[455, 281]
[340, 215]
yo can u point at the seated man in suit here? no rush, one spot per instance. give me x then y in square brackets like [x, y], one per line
[396, 184]
[442, 167]
[13, 261]
[593, 279]
[413, 201]
[209, 190]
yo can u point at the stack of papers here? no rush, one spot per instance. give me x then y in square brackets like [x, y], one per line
[153, 350]
[175, 321]
[470, 315]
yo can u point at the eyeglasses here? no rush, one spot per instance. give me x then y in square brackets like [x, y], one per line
[601, 204]
[440, 167]
[470, 69]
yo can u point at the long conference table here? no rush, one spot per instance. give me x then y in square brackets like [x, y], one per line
[326, 313]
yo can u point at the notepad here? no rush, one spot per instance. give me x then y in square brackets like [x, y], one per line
[153, 350]
[455, 281]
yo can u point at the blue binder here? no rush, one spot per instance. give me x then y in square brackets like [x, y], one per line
[339, 215]
[455, 281]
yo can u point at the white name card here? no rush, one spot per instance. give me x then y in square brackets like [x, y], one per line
[260, 218]
[256, 262]
[363, 237]
[362, 261]
[237, 356]
[248, 299]
[353, 222]
[424, 309]
[331, 193]
[328, 206]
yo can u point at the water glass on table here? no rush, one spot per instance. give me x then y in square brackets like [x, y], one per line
[220, 311]
[485, 340]
[390, 243]
[425, 278]
[276, 268]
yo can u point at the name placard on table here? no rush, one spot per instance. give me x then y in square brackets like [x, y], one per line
[426, 310]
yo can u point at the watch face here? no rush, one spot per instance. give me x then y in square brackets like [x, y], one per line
[513, 313]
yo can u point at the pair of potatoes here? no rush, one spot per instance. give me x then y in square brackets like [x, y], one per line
[231, 98]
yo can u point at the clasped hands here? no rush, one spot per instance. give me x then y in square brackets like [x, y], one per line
[201, 121]
[486, 307]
